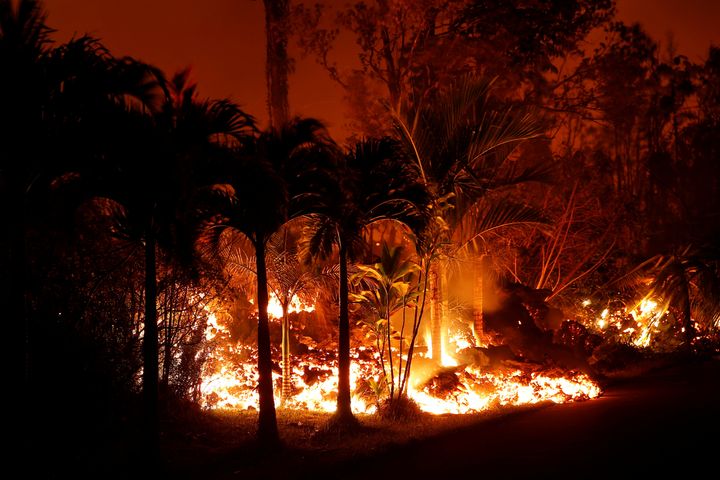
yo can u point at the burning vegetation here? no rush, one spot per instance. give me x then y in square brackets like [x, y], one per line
[449, 386]
[513, 221]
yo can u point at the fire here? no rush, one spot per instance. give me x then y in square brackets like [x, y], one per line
[480, 391]
[233, 387]
[230, 379]
[637, 324]
[213, 327]
[275, 309]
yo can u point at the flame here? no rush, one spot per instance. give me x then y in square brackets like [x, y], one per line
[213, 327]
[295, 306]
[230, 376]
[428, 343]
[275, 309]
[480, 391]
[232, 384]
[644, 316]
[234, 388]
[446, 360]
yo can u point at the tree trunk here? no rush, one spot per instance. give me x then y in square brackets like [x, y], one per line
[344, 407]
[479, 287]
[436, 318]
[444, 307]
[267, 432]
[687, 323]
[167, 352]
[286, 371]
[17, 320]
[277, 66]
[150, 347]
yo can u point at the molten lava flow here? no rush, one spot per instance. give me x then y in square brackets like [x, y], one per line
[478, 391]
[230, 376]
[233, 386]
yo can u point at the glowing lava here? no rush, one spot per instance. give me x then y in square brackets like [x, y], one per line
[230, 378]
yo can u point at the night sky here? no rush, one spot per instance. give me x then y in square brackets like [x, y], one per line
[223, 42]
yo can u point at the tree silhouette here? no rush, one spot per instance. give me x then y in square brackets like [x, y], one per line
[289, 278]
[407, 49]
[278, 66]
[375, 183]
[267, 181]
[461, 142]
[149, 176]
[687, 281]
[63, 108]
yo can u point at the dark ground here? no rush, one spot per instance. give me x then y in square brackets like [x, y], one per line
[663, 423]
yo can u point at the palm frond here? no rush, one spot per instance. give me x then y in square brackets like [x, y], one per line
[688, 279]
[488, 217]
[501, 129]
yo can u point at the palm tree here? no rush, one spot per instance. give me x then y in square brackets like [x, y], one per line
[687, 281]
[375, 182]
[291, 278]
[268, 181]
[461, 141]
[156, 150]
[63, 108]
[23, 93]
[288, 277]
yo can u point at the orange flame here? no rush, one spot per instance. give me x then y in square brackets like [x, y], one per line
[231, 384]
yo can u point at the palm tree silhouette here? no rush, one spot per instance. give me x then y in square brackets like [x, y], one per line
[268, 181]
[23, 94]
[288, 277]
[63, 110]
[375, 182]
[158, 150]
[687, 281]
[461, 142]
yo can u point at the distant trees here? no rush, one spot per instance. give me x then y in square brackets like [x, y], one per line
[409, 49]
[633, 138]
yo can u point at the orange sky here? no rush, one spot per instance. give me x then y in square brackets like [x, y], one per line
[223, 42]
